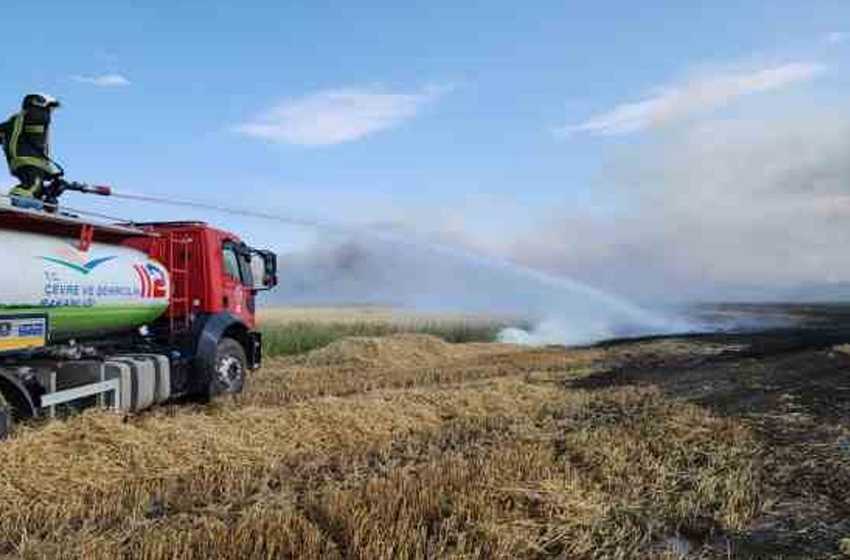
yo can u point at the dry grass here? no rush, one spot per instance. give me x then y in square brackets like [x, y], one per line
[299, 338]
[402, 318]
[292, 331]
[399, 448]
[357, 365]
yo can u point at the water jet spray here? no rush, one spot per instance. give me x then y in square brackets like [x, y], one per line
[581, 314]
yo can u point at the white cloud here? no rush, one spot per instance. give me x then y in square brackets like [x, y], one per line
[836, 38]
[694, 96]
[104, 80]
[342, 115]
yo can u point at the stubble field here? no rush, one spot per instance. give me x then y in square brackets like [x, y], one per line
[406, 446]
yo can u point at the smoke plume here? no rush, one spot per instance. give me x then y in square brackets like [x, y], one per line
[754, 209]
[741, 209]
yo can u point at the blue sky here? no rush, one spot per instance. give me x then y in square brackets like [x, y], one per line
[476, 118]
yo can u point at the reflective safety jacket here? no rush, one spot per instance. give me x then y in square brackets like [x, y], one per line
[25, 139]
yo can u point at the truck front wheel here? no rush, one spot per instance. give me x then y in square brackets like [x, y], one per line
[231, 364]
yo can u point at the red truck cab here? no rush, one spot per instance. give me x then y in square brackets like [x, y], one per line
[215, 278]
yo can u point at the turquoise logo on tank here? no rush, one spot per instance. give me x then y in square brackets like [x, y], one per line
[82, 267]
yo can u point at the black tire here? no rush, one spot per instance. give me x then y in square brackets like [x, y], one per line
[231, 365]
[5, 417]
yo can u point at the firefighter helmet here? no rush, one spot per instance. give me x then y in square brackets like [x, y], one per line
[40, 100]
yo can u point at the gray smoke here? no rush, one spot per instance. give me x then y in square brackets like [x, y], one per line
[753, 209]
[738, 209]
[399, 270]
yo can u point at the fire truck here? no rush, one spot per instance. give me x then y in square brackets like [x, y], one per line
[123, 315]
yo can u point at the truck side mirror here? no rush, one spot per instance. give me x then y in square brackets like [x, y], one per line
[264, 270]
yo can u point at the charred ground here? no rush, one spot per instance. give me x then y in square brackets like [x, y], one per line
[793, 386]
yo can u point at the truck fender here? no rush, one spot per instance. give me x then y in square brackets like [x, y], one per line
[17, 395]
[210, 331]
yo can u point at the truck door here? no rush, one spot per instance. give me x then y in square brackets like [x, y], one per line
[238, 298]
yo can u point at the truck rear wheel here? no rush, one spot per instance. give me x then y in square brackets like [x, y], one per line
[5, 417]
[228, 376]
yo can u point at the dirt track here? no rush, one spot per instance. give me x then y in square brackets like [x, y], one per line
[704, 447]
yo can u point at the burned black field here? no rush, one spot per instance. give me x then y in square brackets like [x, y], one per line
[792, 385]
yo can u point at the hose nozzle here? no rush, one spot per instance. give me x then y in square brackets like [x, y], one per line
[101, 190]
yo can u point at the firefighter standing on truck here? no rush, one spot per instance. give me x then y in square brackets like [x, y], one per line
[25, 138]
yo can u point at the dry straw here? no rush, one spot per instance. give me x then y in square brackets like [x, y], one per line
[405, 448]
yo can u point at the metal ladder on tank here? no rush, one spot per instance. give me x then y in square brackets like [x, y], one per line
[178, 265]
